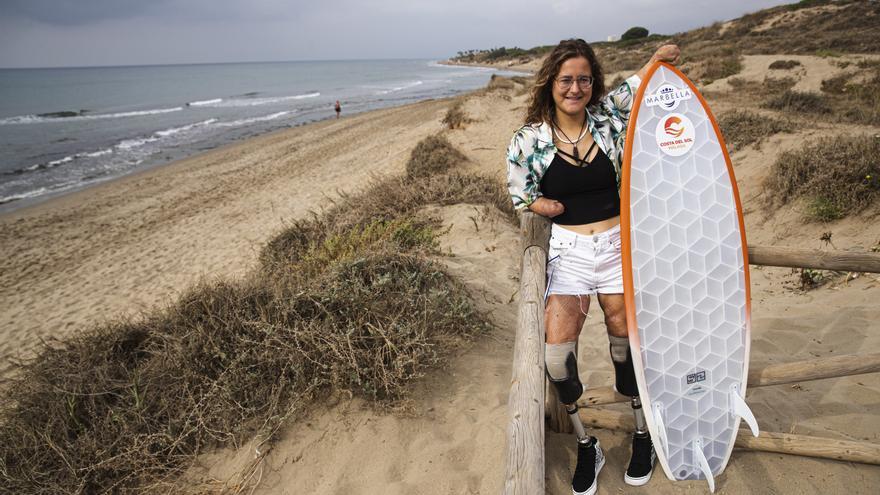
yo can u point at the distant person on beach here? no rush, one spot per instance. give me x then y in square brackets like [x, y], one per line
[564, 163]
[338, 109]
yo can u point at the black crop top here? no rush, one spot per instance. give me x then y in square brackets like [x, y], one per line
[589, 193]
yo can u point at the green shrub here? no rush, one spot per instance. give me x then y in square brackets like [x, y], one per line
[837, 175]
[634, 33]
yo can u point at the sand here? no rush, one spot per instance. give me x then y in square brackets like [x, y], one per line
[131, 244]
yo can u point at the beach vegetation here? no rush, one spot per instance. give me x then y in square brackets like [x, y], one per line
[825, 53]
[349, 301]
[836, 85]
[497, 82]
[823, 210]
[836, 176]
[784, 64]
[742, 128]
[455, 117]
[433, 155]
[812, 279]
[798, 101]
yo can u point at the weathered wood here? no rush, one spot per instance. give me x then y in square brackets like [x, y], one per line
[774, 374]
[843, 261]
[802, 445]
[535, 231]
[814, 369]
[524, 470]
[820, 447]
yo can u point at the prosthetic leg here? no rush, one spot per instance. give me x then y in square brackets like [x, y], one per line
[561, 361]
[641, 464]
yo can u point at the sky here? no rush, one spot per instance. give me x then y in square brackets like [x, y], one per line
[61, 33]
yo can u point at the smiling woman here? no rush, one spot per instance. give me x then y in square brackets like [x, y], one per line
[565, 164]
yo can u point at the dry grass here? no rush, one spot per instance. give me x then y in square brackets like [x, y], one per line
[433, 155]
[784, 64]
[741, 128]
[455, 117]
[346, 301]
[836, 176]
[796, 101]
[497, 82]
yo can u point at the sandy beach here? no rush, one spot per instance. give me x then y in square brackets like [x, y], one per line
[131, 244]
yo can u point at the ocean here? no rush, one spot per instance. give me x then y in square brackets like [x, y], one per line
[65, 129]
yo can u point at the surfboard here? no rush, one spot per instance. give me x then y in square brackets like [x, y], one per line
[686, 277]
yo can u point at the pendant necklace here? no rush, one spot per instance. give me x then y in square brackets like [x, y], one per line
[569, 141]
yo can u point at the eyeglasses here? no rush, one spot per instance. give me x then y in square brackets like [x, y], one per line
[585, 82]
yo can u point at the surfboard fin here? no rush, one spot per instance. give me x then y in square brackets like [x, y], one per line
[741, 409]
[700, 460]
[661, 428]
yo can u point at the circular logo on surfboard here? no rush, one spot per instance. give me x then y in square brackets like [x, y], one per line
[675, 134]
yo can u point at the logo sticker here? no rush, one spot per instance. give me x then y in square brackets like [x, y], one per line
[699, 376]
[695, 384]
[675, 134]
[668, 97]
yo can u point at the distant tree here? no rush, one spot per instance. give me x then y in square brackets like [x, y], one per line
[634, 33]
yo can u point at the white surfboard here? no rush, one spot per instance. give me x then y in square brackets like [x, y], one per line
[686, 277]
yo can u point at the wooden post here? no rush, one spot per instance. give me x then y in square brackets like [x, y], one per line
[813, 258]
[524, 470]
[774, 374]
[823, 448]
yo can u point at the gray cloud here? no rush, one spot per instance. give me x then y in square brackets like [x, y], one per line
[113, 32]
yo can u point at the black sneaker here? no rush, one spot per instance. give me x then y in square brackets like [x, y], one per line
[642, 463]
[590, 462]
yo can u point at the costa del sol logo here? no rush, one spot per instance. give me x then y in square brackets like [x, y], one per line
[668, 97]
[675, 134]
[673, 126]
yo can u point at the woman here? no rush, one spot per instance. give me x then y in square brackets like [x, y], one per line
[565, 164]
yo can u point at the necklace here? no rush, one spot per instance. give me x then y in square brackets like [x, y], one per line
[569, 141]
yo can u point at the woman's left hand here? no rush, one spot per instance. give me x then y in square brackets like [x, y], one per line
[667, 53]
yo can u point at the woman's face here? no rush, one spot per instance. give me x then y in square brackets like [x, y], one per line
[573, 100]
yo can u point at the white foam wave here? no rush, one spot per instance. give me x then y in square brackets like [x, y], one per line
[25, 195]
[252, 102]
[201, 103]
[400, 88]
[251, 120]
[36, 119]
[177, 130]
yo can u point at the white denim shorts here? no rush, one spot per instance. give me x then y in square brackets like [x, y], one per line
[580, 264]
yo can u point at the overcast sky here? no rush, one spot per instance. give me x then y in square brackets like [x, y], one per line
[51, 33]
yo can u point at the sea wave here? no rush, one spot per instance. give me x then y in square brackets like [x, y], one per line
[252, 102]
[123, 146]
[235, 123]
[201, 103]
[178, 130]
[37, 119]
[411, 84]
[60, 161]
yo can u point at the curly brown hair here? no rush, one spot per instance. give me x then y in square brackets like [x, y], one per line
[541, 107]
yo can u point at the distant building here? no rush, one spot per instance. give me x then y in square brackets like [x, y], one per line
[612, 38]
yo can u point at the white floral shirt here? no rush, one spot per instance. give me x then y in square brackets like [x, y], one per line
[531, 150]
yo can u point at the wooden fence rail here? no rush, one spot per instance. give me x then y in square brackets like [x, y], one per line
[524, 472]
[774, 374]
[527, 403]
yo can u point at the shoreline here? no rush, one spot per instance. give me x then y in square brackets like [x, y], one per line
[121, 247]
[8, 209]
